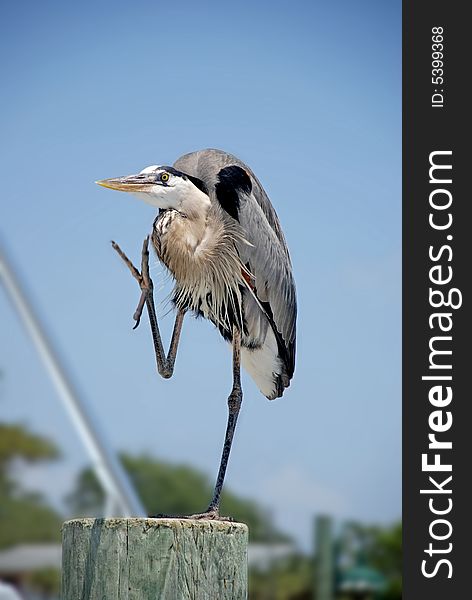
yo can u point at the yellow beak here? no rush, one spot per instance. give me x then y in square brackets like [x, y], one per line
[131, 183]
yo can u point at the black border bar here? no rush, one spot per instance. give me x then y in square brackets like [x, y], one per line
[437, 524]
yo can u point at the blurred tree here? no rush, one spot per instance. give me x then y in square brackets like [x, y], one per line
[27, 519]
[385, 554]
[46, 581]
[17, 442]
[172, 489]
[24, 517]
[379, 548]
[287, 579]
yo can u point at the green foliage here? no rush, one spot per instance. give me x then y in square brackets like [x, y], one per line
[386, 549]
[287, 579]
[17, 442]
[48, 581]
[386, 556]
[171, 489]
[87, 497]
[378, 548]
[381, 549]
[24, 517]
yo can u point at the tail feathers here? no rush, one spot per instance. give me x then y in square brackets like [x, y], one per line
[266, 368]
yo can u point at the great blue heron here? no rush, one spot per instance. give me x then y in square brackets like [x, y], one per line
[220, 238]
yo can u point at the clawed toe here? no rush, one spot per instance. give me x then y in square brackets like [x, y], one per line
[143, 278]
[210, 515]
[139, 309]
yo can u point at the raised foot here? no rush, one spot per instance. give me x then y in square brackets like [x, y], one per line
[144, 280]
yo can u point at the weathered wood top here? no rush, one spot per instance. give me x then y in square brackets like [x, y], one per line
[154, 558]
[171, 522]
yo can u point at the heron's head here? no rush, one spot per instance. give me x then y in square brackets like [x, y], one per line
[163, 187]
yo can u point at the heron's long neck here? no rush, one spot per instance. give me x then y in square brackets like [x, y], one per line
[195, 204]
[191, 235]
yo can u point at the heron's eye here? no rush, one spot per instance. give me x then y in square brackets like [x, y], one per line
[164, 177]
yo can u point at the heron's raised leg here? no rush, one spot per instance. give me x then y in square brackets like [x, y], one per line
[165, 364]
[234, 404]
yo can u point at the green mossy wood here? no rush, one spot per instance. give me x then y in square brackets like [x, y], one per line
[154, 559]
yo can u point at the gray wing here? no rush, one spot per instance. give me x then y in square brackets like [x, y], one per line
[239, 192]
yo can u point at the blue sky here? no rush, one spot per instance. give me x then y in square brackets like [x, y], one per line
[308, 94]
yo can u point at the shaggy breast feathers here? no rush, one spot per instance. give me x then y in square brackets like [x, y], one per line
[202, 257]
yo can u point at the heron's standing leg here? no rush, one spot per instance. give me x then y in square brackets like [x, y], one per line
[234, 404]
[165, 364]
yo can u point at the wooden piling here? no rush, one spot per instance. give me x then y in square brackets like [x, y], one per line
[154, 559]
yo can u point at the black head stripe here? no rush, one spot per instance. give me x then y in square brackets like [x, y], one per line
[196, 182]
[232, 181]
[172, 171]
